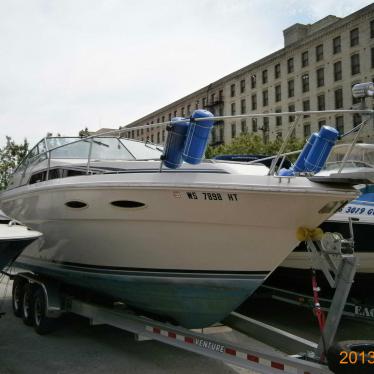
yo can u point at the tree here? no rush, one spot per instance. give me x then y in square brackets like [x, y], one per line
[10, 157]
[84, 133]
[253, 144]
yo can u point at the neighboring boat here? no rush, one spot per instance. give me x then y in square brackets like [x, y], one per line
[189, 245]
[14, 238]
[292, 275]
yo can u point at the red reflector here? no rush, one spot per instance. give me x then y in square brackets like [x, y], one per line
[252, 358]
[277, 365]
[156, 330]
[188, 340]
[172, 335]
[230, 351]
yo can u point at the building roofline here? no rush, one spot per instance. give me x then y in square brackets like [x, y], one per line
[339, 23]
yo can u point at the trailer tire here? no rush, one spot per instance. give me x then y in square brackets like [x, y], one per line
[17, 295]
[42, 324]
[27, 316]
[351, 357]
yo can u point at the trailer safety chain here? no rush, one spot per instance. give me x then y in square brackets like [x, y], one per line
[319, 313]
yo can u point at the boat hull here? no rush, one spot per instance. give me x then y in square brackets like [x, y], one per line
[189, 254]
[11, 249]
[294, 274]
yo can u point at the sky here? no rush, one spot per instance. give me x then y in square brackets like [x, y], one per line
[70, 64]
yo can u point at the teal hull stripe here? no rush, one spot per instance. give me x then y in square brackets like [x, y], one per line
[28, 260]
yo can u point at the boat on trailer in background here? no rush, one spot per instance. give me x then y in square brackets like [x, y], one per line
[14, 238]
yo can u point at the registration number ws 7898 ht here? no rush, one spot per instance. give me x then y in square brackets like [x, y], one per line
[212, 196]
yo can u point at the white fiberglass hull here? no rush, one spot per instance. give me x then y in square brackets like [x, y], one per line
[196, 240]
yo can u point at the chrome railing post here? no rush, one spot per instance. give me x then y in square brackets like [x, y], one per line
[284, 144]
[89, 157]
[48, 166]
[350, 149]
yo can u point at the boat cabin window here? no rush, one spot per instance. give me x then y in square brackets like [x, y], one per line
[41, 176]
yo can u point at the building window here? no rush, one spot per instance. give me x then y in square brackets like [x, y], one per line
[321, 102]
[182, 111]
[221, 132]
[304, 59]
[277, 71]
[265, 130]
[242, 86]
[338, 94]
[204, 102]
[243, 125]
[290, 66]
[163, 135]
[355, 64]
[320, 77]
[354, 37]
[336, 45]
[233, 109]
[306, 107]
[254, 101]
[372, 29]
[253, 81]
[264, 76]
[243, 105]
[278, 119]
[141, 131]
[265, 98]
[319, 52]
[233, 130]
[158, 137]
[278, 93]
[321, 123]
[291, 88]
[152, 138]
[291, 108]
[339, 124]
[163, 119]
[220, 95]
[372, 58]
[356, 119]
[169, 116]
[188, 109]
[175, 113]
[305, 82]
[254, 124]
[232, 90]
[306, 130]
[337, 71]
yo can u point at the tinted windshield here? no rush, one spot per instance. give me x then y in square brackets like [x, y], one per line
[102, 149]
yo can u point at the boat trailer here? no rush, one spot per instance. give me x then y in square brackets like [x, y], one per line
[41, 302]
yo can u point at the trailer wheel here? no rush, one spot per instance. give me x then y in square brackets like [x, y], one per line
[351, 357]
[42, 324]
[17, 295]
[26, 304]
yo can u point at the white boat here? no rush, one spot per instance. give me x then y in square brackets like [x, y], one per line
[189, 245]
[14, 238]
[292, 274]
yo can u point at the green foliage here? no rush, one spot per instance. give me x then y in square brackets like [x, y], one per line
[253, 144]
[10, 157]
[84, 133]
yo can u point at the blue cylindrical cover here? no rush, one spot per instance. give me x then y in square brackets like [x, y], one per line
[198, 137]
[300, 162]
[321, 149]
[174, 145]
